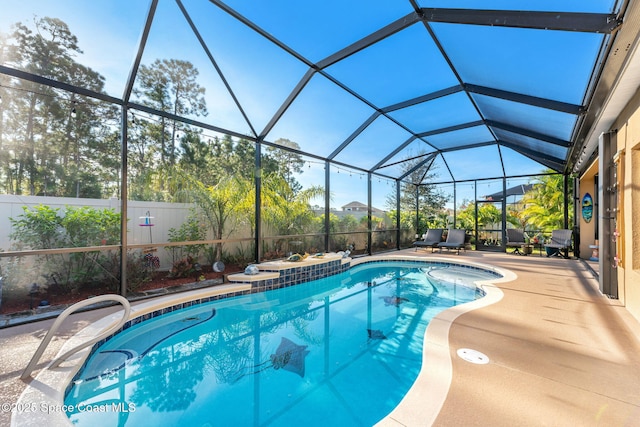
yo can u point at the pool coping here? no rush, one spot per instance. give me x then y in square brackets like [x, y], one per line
[422, 403]
[42, 401]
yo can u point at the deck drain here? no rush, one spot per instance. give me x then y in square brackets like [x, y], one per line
[473, 356]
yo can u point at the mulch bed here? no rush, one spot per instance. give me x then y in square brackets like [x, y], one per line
[25, 304]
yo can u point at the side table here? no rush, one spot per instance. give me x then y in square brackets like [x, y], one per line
[528, 248]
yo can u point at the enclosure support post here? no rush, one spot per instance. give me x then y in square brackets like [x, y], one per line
[417, 210]
[576, 217]
[503, 242]
[124, 196]
[475, 215]
[565, 187]
[258, 201]
[369, 222]
[327, 204]
[455, 204]
[398, 208]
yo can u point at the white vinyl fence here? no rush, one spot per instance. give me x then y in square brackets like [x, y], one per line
[164, 215]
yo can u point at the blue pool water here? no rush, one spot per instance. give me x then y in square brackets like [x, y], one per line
[339, 351]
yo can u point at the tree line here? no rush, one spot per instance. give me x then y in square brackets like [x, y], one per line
[61, 144]
[58, 143]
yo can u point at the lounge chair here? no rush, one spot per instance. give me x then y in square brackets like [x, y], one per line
[560, 241]
[515, 239]
[431, 239]
[455, 240]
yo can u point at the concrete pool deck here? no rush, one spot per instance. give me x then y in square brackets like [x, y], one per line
[559, 352]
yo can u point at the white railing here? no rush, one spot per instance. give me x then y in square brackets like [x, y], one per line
[61, 318]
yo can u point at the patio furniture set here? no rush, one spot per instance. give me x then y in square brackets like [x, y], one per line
[559, 244]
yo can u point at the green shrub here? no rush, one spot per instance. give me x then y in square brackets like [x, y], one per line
[189, 231]
[43, 227]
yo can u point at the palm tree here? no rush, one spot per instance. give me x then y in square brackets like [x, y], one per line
[544, 204]
[286, 210]
[220, 204]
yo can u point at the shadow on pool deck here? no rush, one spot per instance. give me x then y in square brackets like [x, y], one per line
[559, 352]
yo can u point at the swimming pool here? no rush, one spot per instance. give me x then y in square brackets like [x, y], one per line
[343, 350]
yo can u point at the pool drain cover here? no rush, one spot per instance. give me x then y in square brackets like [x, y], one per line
[473, 356]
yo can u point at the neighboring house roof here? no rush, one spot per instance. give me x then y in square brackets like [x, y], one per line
[518, 190]
[355, 205]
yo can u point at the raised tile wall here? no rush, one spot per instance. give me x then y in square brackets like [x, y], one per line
[297, 275]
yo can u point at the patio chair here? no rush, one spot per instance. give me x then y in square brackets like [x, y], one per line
[560, 241]
[431, 239]
[455, 240]
[515, 239]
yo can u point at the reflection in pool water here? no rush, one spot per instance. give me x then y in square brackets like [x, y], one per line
[342, 350]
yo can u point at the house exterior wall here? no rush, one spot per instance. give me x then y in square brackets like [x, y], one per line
[628, 244]
[588, 229]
